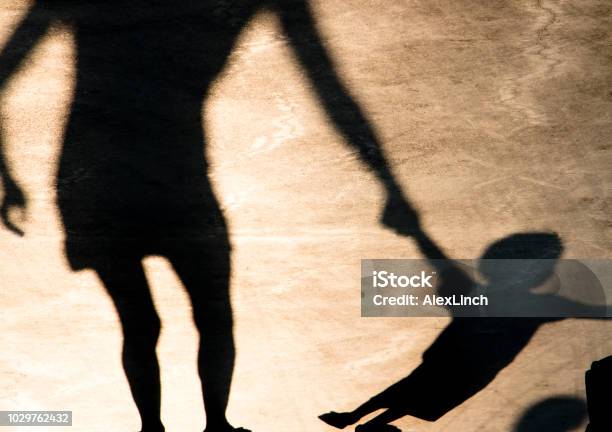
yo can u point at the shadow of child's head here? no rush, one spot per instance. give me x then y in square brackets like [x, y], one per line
[521, 261]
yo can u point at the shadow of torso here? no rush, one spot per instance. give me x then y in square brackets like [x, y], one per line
[133, 167]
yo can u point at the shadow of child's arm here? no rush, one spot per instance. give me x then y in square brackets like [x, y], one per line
[453, 278]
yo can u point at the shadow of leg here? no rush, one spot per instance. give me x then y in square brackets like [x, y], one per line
[205, 273]
[126, 284]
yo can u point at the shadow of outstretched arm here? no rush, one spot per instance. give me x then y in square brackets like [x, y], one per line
[345, 113]
[348, 118]
[27, 34]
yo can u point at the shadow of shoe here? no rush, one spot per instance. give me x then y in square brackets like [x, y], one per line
[337, 420]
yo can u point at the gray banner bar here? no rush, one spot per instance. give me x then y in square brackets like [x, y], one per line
[35, 418]
[542, 288]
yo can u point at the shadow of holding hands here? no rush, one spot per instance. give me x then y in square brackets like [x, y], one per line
[132, 178]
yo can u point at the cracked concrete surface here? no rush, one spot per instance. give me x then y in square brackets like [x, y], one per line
[497, 118]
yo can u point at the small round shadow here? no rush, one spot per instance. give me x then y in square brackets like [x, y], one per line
[555, 414]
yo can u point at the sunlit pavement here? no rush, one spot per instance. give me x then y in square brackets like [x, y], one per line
[496, 117]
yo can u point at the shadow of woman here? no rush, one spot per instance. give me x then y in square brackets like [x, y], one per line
[132, 178]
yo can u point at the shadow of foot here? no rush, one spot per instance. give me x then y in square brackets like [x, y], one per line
[338, 420]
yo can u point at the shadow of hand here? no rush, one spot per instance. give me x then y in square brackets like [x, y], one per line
[14, 198]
